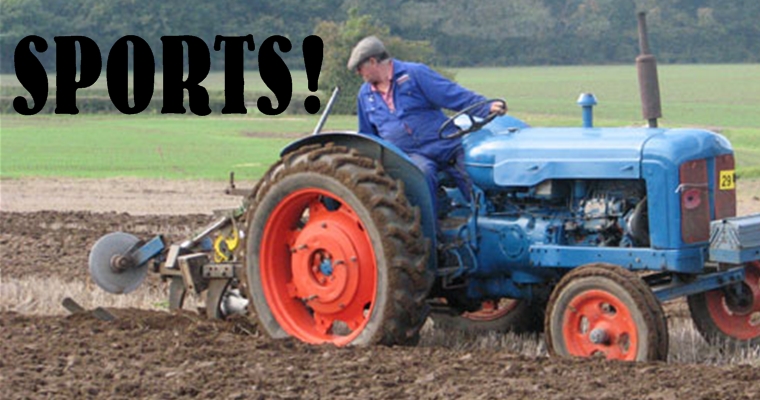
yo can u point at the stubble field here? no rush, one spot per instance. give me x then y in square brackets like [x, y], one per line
[48, 225]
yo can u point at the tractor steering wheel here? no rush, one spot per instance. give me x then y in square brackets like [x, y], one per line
[475, 125]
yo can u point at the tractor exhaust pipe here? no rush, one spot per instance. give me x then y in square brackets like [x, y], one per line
[649, 86]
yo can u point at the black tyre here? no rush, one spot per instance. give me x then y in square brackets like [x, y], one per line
[605, 310]
[726, 317]
[335, 252]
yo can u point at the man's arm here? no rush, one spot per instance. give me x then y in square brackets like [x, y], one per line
[444, 93]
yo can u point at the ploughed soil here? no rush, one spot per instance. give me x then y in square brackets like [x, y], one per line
[154, 354]
[159, 355]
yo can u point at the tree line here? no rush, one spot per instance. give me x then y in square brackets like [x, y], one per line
[457, 34]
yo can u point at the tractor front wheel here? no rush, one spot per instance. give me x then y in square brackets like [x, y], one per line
[730, 316]
[335, 252]
[606, 311]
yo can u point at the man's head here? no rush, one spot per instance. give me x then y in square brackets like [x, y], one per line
[366, 58]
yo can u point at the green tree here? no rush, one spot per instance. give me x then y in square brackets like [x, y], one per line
[21, 18]
[339, 39]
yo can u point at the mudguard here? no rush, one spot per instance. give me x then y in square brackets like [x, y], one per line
[396, 164]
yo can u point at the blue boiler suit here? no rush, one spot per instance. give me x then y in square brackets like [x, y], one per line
[419, 94]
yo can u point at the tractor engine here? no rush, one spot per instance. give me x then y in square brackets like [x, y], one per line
[602, 213]
[587, 213]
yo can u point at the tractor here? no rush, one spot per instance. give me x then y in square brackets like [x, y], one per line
[579, 232]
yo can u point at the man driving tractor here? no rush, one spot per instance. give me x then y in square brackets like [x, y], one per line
[402, 103]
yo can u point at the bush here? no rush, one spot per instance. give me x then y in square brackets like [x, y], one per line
[339, 39]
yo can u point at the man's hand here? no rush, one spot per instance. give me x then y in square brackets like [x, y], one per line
[498, 107]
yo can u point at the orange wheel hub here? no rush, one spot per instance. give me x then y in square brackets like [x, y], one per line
[317, 268]
[597, 323]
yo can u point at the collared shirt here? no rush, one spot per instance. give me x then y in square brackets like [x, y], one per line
[387, 95]
[412, 119]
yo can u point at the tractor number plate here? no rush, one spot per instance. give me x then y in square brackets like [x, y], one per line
[727, 180]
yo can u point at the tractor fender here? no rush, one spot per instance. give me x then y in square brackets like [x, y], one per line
[395, 163]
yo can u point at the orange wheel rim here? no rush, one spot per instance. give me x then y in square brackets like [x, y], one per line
[596, 323]
[491, 310]
[740, 321]
[318, 268]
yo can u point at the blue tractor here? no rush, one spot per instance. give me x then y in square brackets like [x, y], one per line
[595, 226]
[580, 232]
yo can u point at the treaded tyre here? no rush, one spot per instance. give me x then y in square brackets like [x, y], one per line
[723, 318]
[335, 252]
[605, 310]
[506, 315]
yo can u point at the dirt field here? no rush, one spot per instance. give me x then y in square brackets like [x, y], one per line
[48, 226]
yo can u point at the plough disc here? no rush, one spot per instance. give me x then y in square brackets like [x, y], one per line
[105, 253]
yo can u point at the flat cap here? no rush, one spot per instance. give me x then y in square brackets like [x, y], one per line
[367, 48]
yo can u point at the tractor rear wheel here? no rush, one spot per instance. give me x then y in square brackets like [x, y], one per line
[725, 317]
[335, 252]
[605, 310]
[503, 315]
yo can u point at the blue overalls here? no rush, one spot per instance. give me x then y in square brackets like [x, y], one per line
[419, 94]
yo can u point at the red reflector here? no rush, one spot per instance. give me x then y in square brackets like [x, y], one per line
[725, 187]
[695, 205]
[692, 198]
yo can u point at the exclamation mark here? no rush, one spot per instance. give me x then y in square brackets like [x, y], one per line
[312, 59]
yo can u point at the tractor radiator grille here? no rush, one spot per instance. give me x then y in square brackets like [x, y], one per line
[695, 201]
[725, 187]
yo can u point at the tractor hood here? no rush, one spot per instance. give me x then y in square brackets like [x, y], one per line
[507, 155]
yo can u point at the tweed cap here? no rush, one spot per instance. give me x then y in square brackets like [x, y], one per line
[367, 48]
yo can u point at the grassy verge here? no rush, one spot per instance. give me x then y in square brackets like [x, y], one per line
[723, 98]
[147, 146]
[715, 96]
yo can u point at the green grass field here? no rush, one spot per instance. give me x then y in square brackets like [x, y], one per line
[725, 98]
[145, 146]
